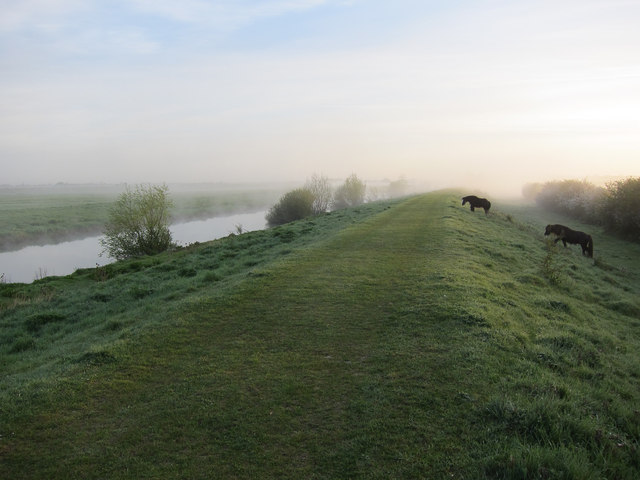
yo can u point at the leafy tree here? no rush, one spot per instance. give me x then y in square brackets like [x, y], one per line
[350, 193]
[319, 186]
[138, 223]
[293, 205]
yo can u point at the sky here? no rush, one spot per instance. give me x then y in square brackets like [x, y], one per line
[485, 94]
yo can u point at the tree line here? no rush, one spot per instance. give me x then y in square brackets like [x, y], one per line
[139, 220]
[316, 197]
[615, 206]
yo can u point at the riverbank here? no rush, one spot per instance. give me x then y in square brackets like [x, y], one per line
[49, 214]
[56, 259]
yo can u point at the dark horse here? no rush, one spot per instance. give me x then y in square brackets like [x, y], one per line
[571, 236]
[477, 202]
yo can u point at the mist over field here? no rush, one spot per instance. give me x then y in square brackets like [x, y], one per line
[481, 95]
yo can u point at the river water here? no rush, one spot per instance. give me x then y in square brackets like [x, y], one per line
[34, 262]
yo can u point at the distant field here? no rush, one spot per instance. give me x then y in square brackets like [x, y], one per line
[46, 214]
[403, 339]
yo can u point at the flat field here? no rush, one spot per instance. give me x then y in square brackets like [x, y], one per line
[402, 339]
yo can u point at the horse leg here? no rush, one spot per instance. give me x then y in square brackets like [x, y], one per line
[472, 209]
[585, 251]
[564, 242]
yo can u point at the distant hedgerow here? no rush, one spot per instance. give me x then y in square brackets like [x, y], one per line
[579, 199]
[616, 207]
[621, 211]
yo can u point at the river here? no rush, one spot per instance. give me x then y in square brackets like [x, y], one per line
[34, 262]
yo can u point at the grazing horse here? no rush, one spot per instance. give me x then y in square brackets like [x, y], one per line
[571, 236]
[477, 202]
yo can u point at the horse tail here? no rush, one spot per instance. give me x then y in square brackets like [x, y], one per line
[590, 246]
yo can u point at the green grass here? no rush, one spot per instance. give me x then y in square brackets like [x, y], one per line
[408, 339]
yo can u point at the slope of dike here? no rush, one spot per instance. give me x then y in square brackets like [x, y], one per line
[419, 341]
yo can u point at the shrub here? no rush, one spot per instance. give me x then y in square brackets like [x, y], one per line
[293, 205]
[138, 223]
[579, 199]
[622, 207]
[350, 193]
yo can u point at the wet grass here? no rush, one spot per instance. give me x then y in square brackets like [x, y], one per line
[411, 339]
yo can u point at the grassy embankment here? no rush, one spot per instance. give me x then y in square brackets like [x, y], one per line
[405, 340]
[49, 214]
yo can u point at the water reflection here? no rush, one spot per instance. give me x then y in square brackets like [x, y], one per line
[35, 262]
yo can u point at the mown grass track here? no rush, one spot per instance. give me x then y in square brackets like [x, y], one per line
[348, 364]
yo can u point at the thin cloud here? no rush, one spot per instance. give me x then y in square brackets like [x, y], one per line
[49, 28]
[226, 15]
[45, 15]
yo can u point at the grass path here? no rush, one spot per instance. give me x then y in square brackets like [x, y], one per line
[354, 373]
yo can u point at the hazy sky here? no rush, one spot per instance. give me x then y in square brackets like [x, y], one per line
[484, 93]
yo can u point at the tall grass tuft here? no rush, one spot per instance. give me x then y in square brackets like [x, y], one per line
[550, 268]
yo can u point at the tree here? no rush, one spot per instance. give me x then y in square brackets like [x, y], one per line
[319, 186]
[138, 223]
[350, 193]
[293, 205]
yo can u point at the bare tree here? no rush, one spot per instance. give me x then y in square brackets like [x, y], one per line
[319, 186]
